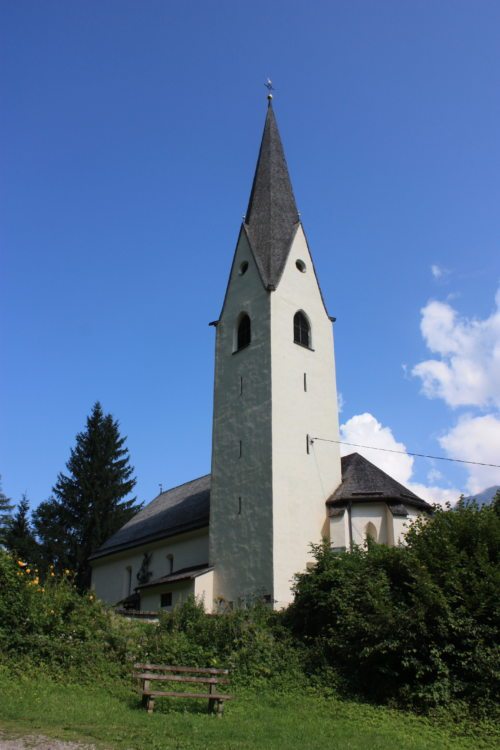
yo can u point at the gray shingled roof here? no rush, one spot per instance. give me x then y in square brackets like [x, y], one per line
[272, 217]
[187, 507]
[184, 574]
[364, 482]
[183, 508]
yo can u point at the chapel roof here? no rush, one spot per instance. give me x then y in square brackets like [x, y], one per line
[181, 509]
[364, 482]
[187, 507]
[184, 574]
[272, 218]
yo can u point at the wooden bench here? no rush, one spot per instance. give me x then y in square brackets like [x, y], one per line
[161, 673]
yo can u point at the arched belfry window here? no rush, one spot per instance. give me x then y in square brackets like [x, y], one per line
[301, 330]
[244, 332]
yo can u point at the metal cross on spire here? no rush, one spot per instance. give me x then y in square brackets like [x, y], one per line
[269, 86]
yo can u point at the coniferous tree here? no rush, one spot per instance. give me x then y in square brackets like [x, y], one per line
[88, 504]
[19, 537]
[5, 515]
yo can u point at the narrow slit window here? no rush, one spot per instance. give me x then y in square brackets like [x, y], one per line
[239, 506]
[301, 330]
[241, 449]
[170, 562]
[305, 381]
[241, 385]
[244, 333]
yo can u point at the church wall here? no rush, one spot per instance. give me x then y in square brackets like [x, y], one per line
[151, 598]
[110, 576]
[401, 525]
[369, 513]
[241, 531]
[302, 481]
[339, 531]
[204, 589]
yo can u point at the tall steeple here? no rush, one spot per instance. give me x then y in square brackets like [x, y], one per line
[274, 388]
[272, 217]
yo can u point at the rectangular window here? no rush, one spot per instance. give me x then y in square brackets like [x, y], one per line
[241, 385]
[241, 449]
[305, 381]
[307, 443]
[239, 506]
[166, 599]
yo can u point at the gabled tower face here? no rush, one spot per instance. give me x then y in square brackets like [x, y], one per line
[274, 390]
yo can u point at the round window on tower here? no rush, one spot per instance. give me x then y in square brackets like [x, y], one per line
[301, 266]
[243, 268]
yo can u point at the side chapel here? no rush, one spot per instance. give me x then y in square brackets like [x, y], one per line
[244, 530]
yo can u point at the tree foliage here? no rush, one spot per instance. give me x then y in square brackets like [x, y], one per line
[89, 502]
[414, 625]
[5, 515]
[19, 536]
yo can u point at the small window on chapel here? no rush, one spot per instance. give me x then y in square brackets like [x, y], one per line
[244, 333]
[301, 330]
[166, 599]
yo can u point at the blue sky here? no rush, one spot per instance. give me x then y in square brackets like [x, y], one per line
[129, 136]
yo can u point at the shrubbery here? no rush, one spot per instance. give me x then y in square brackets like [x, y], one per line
[73, 635]
[415, 625]
[52, 626]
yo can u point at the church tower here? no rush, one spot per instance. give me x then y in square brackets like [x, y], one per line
[274, 390]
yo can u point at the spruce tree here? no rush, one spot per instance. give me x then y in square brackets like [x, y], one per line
[19, 537]
[5, 515]
[88, 504]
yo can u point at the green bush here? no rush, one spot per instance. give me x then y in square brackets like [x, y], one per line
[72, 635]
[415, 625]
[55, 627]
[251, 642]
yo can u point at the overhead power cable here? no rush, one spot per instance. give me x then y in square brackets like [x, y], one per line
[405, 453]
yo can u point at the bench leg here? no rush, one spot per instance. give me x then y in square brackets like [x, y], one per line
[220, 709]
[150, 704]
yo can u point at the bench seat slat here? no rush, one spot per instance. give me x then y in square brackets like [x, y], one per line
[173, 694]
[176, 678]
[168, 668]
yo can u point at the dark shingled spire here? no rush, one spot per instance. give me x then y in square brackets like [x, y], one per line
[272, 217]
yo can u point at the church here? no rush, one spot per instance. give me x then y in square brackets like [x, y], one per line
[242, 532]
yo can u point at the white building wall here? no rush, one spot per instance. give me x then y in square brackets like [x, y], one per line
[370, 513]
[339, 531]
[204, 589]
[151, 597]
[302, 481]
[110, 574]
[401, 525]
[241, 545]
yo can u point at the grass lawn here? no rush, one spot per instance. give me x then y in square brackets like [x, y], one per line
[262, 720]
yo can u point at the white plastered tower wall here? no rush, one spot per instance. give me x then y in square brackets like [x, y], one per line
[304, 404]
[241, 530]
[269, 483]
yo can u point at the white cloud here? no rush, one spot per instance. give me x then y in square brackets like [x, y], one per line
[435, 494]
[340, 401]
[467, 372]
[438, 272]
[365, 429]
[476, 439]
[434, 475]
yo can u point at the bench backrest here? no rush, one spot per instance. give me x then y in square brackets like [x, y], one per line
[167, 668]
